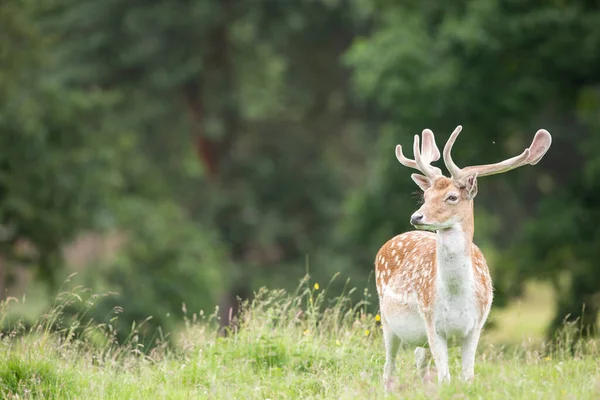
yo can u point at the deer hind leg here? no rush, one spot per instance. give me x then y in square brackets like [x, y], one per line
[392, 344]
[468, 350]
[422, 357]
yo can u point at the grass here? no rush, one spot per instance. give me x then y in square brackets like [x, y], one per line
[288, 346]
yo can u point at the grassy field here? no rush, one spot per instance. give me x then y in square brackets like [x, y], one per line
[289, 346]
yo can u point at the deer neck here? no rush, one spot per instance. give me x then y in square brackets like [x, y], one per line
[454, 248]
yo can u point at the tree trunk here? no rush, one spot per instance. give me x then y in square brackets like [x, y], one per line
[229, 307]
[218, 77]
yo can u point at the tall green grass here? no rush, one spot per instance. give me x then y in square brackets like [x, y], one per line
[301, 345]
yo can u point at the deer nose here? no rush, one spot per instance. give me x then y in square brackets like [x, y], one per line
[416, 218]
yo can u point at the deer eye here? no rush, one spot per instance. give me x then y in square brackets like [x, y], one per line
[452, 198]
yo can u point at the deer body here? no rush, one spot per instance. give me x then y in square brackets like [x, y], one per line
[433, 284]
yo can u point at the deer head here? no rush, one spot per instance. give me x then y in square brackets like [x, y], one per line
[449, 201]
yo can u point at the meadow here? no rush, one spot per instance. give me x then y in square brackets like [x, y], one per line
[287, 346]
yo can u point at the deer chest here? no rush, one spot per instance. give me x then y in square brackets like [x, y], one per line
[455, 316]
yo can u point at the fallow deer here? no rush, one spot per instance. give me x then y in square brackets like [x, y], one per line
[433, 283]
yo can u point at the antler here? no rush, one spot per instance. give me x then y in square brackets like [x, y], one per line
[532, 155]
[429, 153]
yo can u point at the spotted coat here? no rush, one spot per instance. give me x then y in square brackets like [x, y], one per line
[407, 263]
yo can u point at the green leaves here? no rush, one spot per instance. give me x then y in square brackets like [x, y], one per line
[58, 162]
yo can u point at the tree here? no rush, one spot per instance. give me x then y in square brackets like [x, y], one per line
[258, 94]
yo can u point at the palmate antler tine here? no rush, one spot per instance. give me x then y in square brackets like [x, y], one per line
[407, 162]
[497, 168]
[428, 153]
[539, 146]
[429, 150]
[452, 168]
[532, 155]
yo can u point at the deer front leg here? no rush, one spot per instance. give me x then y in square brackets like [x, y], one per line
[468, 350]
[392, 344]
[439, 350]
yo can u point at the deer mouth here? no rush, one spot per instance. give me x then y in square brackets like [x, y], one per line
[432, 227]
[423, 226]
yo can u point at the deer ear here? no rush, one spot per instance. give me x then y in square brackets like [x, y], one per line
[471, 186]
[422, 181]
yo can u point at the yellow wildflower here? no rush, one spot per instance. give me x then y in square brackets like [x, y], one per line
[316, 286]
[377, 318]
[548, 358]
[337, 342]
[367, 332]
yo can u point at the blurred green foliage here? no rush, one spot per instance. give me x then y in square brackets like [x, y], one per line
[60, 163]
[170, 266]
[235, 144]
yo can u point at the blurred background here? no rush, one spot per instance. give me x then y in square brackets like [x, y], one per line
[191, 151]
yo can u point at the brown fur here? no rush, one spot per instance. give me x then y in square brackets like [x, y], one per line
[442, 183]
